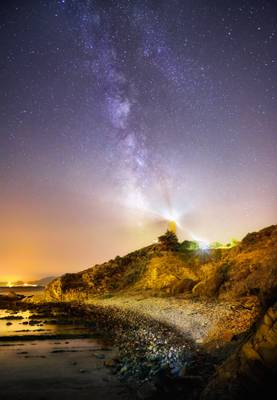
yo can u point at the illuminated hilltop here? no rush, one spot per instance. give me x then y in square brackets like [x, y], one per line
[169, 267]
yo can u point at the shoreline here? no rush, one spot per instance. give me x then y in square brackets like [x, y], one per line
[56, 365]
[152, 356]
[157, 355]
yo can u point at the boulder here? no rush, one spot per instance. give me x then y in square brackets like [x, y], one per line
[252, 370]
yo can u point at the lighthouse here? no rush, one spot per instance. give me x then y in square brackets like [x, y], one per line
[172, 226]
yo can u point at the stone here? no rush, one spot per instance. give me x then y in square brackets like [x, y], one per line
[249, 352]
[110, 362]
[272, 313]
[267, 320]
[183, 372]
[123, 369]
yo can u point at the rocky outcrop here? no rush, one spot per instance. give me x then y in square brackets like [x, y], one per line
[69, 287]
[11, 296]
[114, 275]
[248, 270]
[252, 371]
[244, 277]
[167, 273]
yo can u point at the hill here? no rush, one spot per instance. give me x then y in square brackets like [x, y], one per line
[246, 271]
[43, 281]
[223, 299]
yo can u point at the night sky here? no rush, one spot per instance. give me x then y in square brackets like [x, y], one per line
[118, 115]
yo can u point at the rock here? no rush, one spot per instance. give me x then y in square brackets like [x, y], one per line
[11, 295]
[249, 353]
[268, 320]
[252, 369]
[123, 369]
[185, 285]
[111, 362]
[12, 318]
[58, 351]
[272, 314]
[183, 372]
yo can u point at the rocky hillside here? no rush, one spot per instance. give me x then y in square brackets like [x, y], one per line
[237, 285]
[251, 371]
[247, 271]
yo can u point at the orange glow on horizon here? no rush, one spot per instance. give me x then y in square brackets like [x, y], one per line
[12, 279]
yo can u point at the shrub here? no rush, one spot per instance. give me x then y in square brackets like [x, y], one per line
[169, 241]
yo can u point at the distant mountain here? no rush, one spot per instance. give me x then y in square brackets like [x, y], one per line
[18, 283]
[43, 281]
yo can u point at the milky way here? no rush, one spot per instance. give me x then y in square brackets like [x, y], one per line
[116, 115]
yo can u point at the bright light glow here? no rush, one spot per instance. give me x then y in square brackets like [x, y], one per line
[170, 215]
[11, 285]
[204, 245]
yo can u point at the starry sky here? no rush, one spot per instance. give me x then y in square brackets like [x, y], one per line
[119, 115]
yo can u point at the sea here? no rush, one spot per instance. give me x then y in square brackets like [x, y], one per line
[52, 356]
[25, 290]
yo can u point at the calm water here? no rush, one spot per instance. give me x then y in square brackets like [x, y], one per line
[62, 358]
[25, 290]
[24, 323]
[29, 323]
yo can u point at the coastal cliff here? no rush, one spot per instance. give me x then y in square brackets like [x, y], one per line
[247, 271]
[223, 300]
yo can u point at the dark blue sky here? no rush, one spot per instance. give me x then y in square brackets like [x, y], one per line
[116, 115]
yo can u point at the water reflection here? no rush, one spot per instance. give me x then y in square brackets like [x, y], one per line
[24, 323]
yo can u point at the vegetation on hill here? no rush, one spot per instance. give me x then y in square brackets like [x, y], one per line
[242, 275]
[246, 270]
[169, 241]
